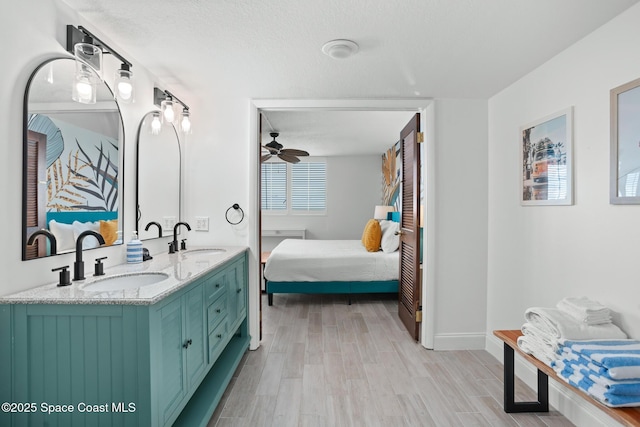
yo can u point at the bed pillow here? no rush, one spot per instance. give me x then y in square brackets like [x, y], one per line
[89, 242]
[372, 235]
[109, 230]
[390, 240]
[63, 234]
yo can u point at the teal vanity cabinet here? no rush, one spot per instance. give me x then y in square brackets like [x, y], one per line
[126, 364]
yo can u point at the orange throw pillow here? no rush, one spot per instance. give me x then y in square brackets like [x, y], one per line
[109, 231]
[372, 236]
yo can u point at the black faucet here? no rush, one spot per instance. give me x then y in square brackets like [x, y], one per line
[175, 235]
[157, 224]
[78, 265]
[53, 244]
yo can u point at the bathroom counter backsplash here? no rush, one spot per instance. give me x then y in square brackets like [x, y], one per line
[181, 267]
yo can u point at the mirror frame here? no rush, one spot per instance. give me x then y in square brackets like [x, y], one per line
[25, 120]
[138, 211]
[614, 198]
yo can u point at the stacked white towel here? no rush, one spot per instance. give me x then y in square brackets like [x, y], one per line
[585, 310]
[608, 370]
[545, 327]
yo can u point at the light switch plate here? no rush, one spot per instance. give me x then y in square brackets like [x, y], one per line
[202, 223]
[168, 222]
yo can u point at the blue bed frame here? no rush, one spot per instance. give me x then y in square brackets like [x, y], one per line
[388, 286]
[374, 287]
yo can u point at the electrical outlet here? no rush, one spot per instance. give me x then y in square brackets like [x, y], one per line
[168, 222]
[202, 223]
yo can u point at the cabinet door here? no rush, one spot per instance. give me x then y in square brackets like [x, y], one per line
[195, 335]
[173, 383]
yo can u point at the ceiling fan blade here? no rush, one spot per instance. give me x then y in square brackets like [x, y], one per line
[294, 152]
[289, 158]
[265, 157]
[272, 150]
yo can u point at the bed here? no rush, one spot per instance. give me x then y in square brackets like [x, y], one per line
[329, 267]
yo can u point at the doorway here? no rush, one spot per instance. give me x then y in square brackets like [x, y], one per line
[258, 107]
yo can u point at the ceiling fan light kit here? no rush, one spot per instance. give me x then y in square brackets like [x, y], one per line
[340, 48]
[274, 148]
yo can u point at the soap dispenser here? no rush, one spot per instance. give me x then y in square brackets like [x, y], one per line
[134, 249]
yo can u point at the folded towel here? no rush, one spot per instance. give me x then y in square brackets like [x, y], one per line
[583, 376]
[558, 324]
[585, 310]
[605, 396]
[630, 388]
[613, 400]
[537, 349]
[617, 362]
[534, 332]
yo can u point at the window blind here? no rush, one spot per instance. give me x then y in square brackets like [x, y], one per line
[274, 186]
[309, 186]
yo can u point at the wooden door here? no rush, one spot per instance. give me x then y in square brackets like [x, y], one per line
[409, 285]
[35, 189]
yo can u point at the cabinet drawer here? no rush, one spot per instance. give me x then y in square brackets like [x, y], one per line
[216, 312]
[214, 286]
[216, 338]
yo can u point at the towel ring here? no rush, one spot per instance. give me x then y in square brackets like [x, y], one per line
[236, 207]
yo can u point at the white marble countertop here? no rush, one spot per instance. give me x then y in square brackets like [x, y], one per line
[181, 268]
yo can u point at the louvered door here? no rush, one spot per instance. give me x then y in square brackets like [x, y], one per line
[409, 292]
[35, 193]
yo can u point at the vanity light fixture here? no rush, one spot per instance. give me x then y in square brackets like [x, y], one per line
[166, 106]
[88, 51]
[185, 123]
[167, 103]
[156, 124]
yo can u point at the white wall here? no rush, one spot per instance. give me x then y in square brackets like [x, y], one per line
[537, 255]
[353, 190]
[460, 223]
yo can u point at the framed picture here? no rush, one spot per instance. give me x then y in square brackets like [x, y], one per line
[546, 174]
[625, 144]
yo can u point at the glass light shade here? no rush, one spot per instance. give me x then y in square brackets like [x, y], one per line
[84, 88]
[88, 54]
[185, 123]
[168, 114]
[124, 86]
[156, 124]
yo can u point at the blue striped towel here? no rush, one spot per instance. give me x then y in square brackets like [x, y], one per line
[614, 359]
[607, 397]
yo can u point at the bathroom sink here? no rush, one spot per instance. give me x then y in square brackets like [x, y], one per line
[126, 281]
[204, 251]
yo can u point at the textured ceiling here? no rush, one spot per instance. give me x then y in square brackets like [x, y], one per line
[408, 48]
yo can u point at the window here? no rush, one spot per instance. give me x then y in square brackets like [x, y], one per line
[299, 188]
[309, 187]
[274, 186]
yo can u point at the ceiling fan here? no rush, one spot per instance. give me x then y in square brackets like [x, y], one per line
[274, 148]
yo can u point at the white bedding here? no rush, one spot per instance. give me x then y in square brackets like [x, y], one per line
[297, 260]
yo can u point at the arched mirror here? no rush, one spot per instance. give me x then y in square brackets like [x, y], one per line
[158, 177]
[72, 160]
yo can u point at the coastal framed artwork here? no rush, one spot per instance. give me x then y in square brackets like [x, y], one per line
[625, 144]
[546, 175]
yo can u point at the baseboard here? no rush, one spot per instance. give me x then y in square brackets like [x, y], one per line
[569, 404]
[468, 341]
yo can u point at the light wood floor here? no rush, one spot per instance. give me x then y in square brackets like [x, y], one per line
[325, 363]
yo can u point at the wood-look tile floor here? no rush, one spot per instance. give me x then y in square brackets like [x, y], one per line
[323, 362]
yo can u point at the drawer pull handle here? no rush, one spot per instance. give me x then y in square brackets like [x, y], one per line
[239, 290]
[187, 343]
[219, 335]
[217, 310]
[217, 285]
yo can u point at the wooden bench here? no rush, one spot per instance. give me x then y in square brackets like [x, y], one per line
[625, 416]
